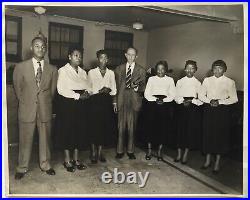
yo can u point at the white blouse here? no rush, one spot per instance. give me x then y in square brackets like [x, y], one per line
[160, 86]
[188, 87]
[97, 81]
[222, 88]
[69, 80]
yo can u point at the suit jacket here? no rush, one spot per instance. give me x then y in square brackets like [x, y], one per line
[138, 75]
[31, 98]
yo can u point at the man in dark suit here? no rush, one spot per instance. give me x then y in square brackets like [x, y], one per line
[35, 85]
[130, 83]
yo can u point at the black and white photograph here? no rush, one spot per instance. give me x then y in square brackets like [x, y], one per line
[125, 99]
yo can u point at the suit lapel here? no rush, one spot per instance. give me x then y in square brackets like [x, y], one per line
[31, 73]
[135, 74]
[44, 74]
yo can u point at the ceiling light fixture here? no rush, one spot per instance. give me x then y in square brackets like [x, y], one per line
[137, 25]
[40, 10]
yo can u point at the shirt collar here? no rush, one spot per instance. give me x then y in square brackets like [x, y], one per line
[35, 62]
[98, 68]
[189, 78]
[132, 65]
[165, 76]
[71, 68]
[219, 77]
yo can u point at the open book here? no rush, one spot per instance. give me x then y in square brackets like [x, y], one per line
[188, 98]
[161, 97]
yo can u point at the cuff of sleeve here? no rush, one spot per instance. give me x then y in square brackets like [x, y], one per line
[166, 100]
[194, 101]
[76, 96]
[197, 102]
[179, 100]
[207, 101]
[112, 93]
[221, 101]
[151, 98]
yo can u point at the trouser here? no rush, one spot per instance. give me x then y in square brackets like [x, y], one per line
[127, 118]
[26, 134]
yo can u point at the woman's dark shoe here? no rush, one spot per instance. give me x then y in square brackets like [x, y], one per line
[159, 158]
[177, 160]
[79, 165]
[102, 158]
[215, 171]
[184, 162]
[148, 157]
[69, 166]
[205, 167]
[131, 156]
[93, 160]
[119, 155]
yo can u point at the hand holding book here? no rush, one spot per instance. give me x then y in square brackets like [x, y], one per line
[187, 101]
[159, 99]
[84, 95]
[214, 102]
[105, 90]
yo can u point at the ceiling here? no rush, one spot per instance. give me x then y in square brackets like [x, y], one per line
[120, 15]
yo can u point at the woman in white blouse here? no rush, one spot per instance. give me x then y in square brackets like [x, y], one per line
[159, 93]
[71, 121]
[188, 112]
[217, 92]
[101, 125]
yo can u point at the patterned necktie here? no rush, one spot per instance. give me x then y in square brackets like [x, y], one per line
[39, 74]
[128, 77]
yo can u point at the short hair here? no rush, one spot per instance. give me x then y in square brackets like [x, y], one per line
[75, 48]
[162, 62]
[131, 47]
[100, 52]
[191, 62]
[39, 38]
[220, 63]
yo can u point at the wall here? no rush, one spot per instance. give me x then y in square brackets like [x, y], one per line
[94, 35]
[202, 41]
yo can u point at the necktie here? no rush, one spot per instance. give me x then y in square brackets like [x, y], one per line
[128, 77]
[39, 74]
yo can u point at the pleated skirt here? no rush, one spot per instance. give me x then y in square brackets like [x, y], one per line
[71, 124]
[102, 128]
[188, 126]
[157, 122]
[216, 129]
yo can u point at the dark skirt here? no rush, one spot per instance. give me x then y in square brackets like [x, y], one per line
[102, 128]
[188, 126]
[157, 122]
[71, 124]
[216, 129]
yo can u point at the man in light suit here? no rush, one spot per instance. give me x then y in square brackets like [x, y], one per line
[35, 85]
[130, 83]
